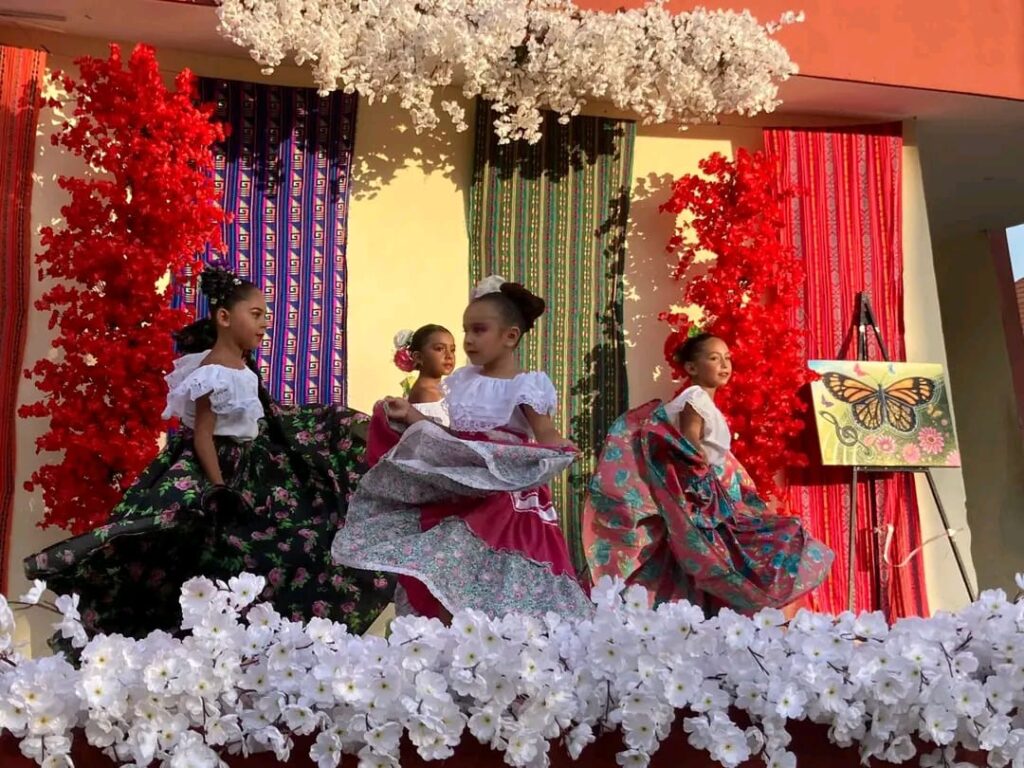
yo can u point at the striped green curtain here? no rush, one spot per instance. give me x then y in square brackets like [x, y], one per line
[552, 216]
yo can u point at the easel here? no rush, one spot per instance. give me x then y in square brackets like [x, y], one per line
[865, 318]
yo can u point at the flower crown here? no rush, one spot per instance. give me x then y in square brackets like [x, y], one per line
[403, 355]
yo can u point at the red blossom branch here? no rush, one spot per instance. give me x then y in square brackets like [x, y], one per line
[735, 211]
[145, 212]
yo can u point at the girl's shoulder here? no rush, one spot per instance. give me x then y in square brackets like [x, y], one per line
[477, 402]
[221, 360]
[695, 397]
[424, 394]
[469, 375]
[539, 383]
[205, 367]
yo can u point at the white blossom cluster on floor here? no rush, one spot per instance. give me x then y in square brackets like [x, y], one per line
[243, 679]
[522, 56]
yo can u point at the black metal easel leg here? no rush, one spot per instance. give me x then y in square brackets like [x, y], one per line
[952, 543]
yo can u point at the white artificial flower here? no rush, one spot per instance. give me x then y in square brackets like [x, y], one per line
[326, 750]
[7, 625]
[403, 338]
[485, 723]
[900, 750]
[682, 685]
[710, 696]
[70, 625]
[640, 732]
[938, 724]
[245, 588]
[579, 737]
[728, 745]
[781, 759]
[789, 702]
[633, 758]
[384, 739]
[523, 746]
[33, 596]
[191, 752]
[519, 684]
[198, 595]
[490, 284]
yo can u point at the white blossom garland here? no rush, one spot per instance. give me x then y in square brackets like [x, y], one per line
[522, 56]
[244, 679]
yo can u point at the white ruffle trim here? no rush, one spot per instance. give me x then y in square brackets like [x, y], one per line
[697, 398]
[232, 391]
[479, 403]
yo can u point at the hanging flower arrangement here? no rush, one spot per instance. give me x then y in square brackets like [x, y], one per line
[145, 210]
[523, 56]
[735, 212]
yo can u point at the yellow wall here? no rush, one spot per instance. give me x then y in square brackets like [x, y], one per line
[407, 259]
[407, 242]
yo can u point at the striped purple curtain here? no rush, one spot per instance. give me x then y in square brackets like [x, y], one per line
[284, 177]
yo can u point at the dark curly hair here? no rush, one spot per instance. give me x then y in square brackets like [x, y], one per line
[223, 289]
[518, 306]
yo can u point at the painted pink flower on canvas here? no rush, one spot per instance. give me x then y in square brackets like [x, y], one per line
[911, 453]
[886, 444]
[931, 440]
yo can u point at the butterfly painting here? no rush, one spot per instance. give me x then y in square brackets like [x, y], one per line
[883, 414]
[875, 405]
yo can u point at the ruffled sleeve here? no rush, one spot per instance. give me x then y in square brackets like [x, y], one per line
[479, 403]
[536, 390]
[698, 399]
[232, 392]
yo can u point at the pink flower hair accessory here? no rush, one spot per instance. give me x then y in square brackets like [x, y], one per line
[403, 355]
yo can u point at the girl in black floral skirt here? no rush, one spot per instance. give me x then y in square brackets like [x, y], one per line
[246, 485]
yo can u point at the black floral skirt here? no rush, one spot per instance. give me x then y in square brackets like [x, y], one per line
[295, 479]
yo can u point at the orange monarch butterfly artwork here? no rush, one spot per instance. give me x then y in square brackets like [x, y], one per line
[883, 414]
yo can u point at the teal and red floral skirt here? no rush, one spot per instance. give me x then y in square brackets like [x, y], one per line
[295, 479]
[659, 515]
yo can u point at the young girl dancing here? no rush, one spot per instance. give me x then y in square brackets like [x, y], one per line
[430, 351]
[672, 509]
[466, 512]
[246, 485]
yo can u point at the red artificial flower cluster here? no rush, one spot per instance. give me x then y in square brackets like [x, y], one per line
[735, 211]
[403, 360]
[146, 210]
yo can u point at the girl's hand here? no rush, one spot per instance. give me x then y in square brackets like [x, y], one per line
[399, 409]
